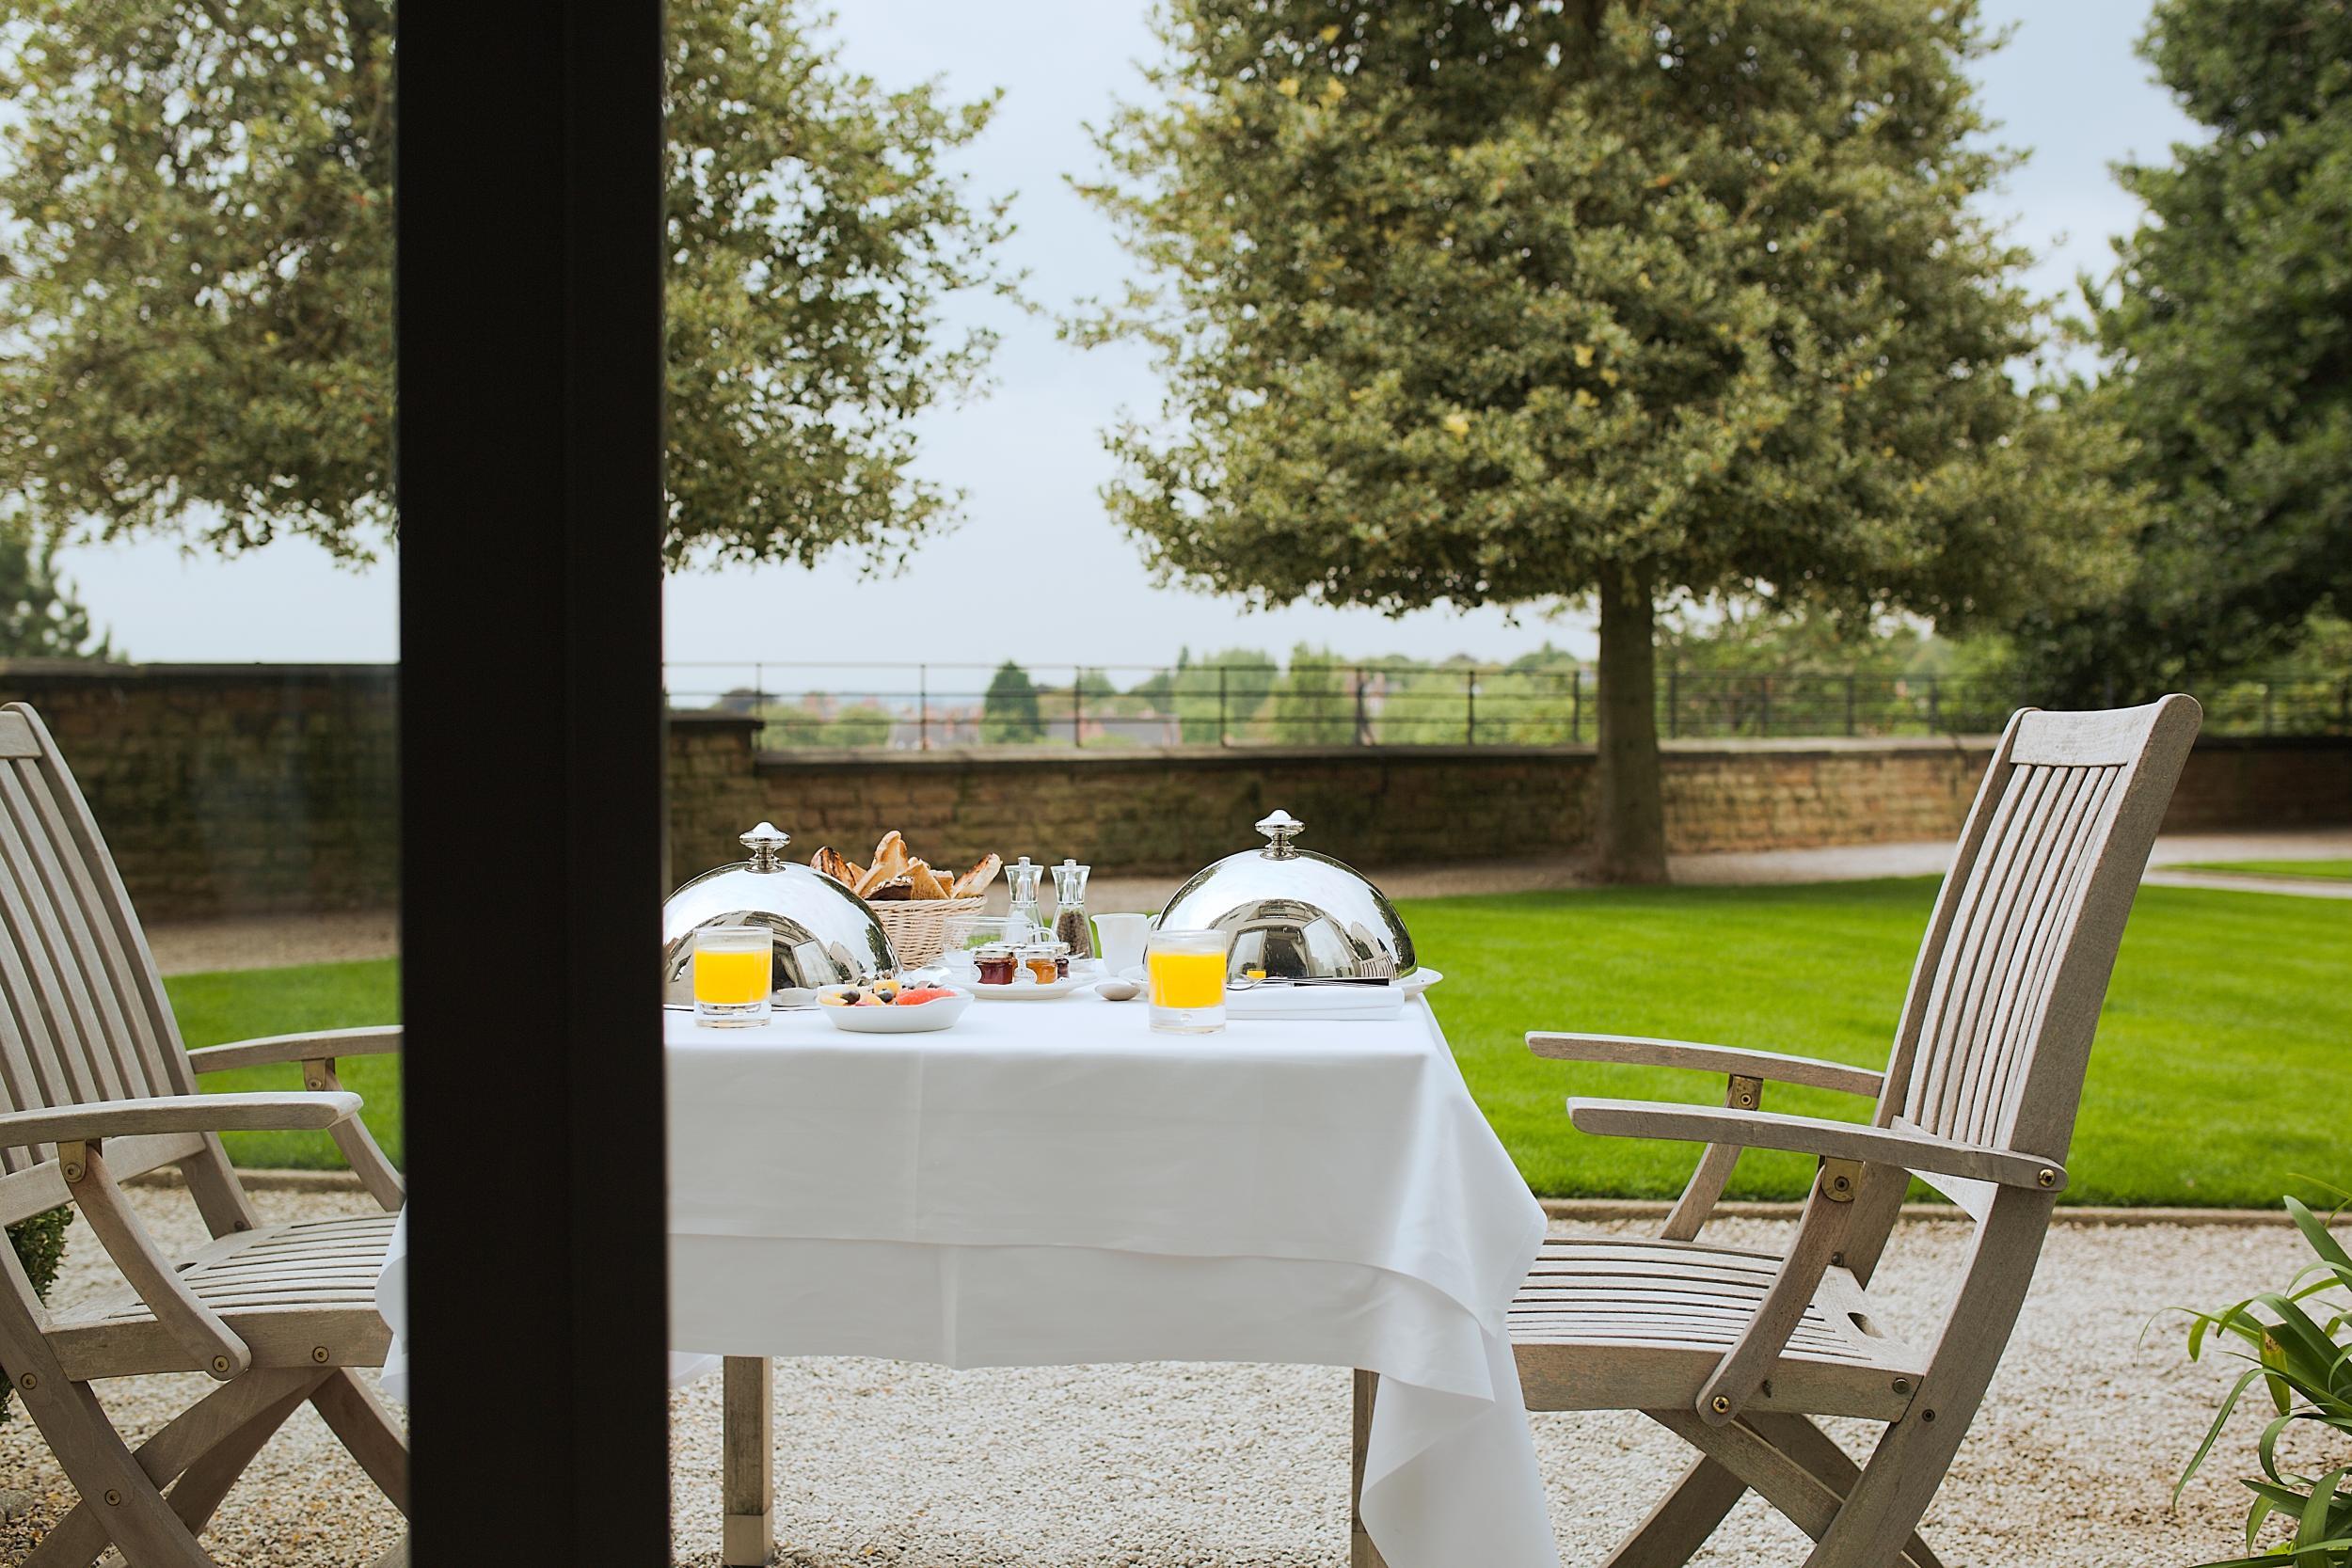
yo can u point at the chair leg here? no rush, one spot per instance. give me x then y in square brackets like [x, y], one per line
[355, 1416]
[1893, 1491]
[124, 1503]
[1361, 1553]
[1891, 1494]
[82, 1533]
[1819, 1453]
[1802, 1479]
[212, 1473]
[1683, 1519]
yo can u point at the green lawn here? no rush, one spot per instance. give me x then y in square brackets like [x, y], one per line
[2333, 871]
[243, 1003]
[2220, 1072]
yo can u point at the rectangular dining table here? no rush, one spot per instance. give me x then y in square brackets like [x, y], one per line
[1053, 1183]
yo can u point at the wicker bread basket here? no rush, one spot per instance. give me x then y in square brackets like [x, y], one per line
[917, 928]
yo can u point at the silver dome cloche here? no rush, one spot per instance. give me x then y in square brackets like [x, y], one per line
[1293, 913]
[825, 935]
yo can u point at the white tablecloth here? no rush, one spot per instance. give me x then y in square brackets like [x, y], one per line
[1051, 1183]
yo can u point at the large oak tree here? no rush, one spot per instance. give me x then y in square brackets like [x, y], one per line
[1473, 301]
[196, 277]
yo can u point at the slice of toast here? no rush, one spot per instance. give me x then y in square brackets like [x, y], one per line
[890, 863]
[925, 880]
[833, 863]
[974, 881]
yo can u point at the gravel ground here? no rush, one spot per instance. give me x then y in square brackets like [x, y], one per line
[884, 1465]
[268, 941]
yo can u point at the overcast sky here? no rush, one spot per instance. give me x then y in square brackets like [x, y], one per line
[1029, 457]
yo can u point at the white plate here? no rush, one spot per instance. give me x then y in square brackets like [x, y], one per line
[1030, 991]
[922, 1019]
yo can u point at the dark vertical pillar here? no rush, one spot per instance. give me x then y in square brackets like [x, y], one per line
[531, 361]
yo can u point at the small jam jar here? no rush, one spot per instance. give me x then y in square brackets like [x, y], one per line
[994, 963]
[1038, 958]
[1061, 960]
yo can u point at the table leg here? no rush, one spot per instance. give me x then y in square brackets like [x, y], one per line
[1361, 1553]
[747, 1475]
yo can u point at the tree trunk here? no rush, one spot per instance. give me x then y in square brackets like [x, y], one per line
[1632, 830]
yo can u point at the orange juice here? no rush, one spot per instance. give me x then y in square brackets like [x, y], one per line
[1187, 979]
[730, 979]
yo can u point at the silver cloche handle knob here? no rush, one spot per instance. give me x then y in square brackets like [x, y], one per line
[766, 843]
[1279, 829]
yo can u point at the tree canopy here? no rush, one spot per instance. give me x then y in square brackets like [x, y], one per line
[1484, 302]
[2226, 324]
[196, 320]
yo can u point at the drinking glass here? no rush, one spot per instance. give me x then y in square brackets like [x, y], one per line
[734, 970]
[1120, 939]
[1188, 978]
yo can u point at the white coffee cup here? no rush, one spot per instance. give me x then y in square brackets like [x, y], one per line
[1123, 937]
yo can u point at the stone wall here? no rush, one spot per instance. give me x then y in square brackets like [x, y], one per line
[1169, 810]
[260, 788]
[232, 789]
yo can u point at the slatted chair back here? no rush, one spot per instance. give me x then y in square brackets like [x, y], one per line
[82, 1013]
[1996, 1031]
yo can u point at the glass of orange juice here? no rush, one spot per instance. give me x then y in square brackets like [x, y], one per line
[1187, 976]
[733, 967]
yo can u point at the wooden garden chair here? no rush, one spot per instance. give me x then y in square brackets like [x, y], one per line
[1736, 1352]
[97, 1089]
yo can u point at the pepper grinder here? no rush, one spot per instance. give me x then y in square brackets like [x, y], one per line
[1025, 916]
[1071, 923]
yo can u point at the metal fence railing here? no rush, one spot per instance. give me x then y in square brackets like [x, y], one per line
[929, 706]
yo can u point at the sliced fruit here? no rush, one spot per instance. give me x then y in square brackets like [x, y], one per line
[917, 995]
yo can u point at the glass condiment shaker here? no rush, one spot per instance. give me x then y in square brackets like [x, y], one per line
[1071, 925]
[1025, 920]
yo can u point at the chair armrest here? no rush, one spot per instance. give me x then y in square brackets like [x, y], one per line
[273, 1049]
[176, 1113]
[1831, 1140]
[1773, 1068]
[318, 1052]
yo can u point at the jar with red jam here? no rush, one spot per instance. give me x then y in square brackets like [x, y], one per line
[995, 964]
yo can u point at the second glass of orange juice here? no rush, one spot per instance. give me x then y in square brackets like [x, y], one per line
[1187, 976]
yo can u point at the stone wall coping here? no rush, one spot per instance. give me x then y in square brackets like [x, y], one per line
[1255, 756]
[830, 759]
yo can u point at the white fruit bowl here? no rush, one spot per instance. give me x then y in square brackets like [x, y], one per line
[941, 1012]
